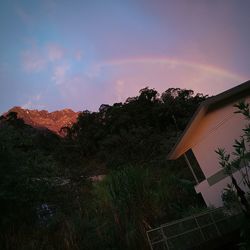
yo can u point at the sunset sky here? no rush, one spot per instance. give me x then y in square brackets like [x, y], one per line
[58, 54]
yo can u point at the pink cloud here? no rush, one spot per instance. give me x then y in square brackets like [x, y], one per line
[126, 78]
[36, 59]
[55, 52]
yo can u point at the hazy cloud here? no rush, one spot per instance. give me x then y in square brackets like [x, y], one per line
[119, 90]
[60, 73]
[62, 49]
[33, 60]
[55, 52]
[33, 103]
[24, 15]
[27, 105]
[36, 58]
[78, 55]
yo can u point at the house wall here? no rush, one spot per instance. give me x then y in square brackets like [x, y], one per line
[218, 129]
[212, 194]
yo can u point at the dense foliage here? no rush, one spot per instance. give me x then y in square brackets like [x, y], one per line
[48, 200]
[142, 130]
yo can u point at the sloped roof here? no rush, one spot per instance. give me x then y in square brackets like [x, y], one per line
[208, 105]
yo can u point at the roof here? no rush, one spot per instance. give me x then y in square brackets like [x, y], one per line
[208, 105]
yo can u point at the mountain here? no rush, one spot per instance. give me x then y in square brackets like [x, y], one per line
[43, 119]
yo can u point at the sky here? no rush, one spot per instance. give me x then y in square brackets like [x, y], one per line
[57, 54]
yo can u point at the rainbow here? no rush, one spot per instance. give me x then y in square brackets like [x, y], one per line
[176, 62]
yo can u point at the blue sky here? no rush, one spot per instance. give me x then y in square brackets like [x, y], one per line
[81, 54]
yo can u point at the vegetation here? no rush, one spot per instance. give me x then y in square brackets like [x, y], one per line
[48, 200]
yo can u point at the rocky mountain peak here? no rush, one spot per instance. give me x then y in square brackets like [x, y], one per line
[43, 119]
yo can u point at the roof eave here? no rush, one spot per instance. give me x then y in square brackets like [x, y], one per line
[201, 111]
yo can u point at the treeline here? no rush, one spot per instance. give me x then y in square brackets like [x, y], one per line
[142, 130]
[48, 200]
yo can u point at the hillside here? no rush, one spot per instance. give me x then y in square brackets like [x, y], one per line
[47, 198]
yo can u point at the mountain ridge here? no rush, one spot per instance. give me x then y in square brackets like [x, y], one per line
[43, 119]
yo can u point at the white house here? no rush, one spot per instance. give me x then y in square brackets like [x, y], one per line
[213, 126]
